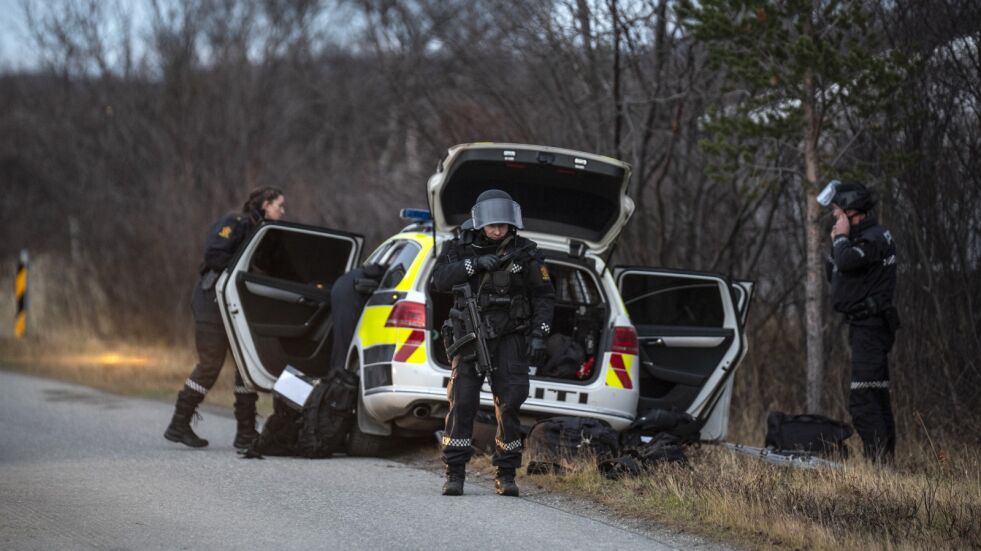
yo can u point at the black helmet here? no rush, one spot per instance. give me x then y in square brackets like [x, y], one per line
[495, 207]
[848, 196]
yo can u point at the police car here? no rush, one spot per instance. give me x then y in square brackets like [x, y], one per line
[649, 337]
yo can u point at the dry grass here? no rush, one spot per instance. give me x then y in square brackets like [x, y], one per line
[925, 504]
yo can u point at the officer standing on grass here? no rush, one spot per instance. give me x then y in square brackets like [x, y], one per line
[513, 288]
[223, 241]
[862, 271]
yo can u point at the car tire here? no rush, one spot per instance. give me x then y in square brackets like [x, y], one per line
[360, 444]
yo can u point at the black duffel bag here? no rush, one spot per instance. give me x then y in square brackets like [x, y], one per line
[809, 433]
[556, 439]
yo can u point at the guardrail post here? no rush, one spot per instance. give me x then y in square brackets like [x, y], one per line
[20, 288]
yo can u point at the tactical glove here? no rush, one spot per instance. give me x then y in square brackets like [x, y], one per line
[536, 351]
[488, 262]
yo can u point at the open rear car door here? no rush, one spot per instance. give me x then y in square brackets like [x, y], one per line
[690, 332]
[275, 299]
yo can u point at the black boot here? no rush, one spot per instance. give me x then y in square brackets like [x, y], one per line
[179, 429]
[245, 432]
[455, 475]
[504, 483]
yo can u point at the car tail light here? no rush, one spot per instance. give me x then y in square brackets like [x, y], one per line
[625, 340]
[408, 314]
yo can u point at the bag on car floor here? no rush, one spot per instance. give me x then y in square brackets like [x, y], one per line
[565, 357]
[806, 433]
[555, 439]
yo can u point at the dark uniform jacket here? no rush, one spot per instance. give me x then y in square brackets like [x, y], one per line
[518, 297]
[862, 269]
[223, 241]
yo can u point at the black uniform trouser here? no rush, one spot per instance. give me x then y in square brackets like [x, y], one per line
[211, 343]
[868, 401]
[509, 384]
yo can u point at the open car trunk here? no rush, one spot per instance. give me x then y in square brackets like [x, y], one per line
[581, 314]
[568, 197]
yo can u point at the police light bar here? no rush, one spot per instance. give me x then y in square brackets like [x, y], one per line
[418, 215]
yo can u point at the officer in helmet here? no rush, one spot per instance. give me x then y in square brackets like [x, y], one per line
[862, 271]
[513, 288]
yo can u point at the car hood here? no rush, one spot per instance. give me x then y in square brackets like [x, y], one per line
[565, 194]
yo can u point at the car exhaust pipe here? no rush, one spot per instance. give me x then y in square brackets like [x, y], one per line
[421, 412]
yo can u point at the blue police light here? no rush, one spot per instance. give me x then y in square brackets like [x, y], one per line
[418, 215]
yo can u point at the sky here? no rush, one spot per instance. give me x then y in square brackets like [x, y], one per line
[15, 47]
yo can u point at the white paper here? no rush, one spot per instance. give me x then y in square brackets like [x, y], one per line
[293, 388]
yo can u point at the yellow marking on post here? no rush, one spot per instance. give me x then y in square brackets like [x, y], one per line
[21, 283]
[20, 324]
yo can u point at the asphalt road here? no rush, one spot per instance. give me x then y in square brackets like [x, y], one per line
[83, 469]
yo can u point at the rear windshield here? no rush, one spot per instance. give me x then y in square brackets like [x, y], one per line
[554, 198]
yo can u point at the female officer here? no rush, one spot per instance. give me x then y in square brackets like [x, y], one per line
[223, 241]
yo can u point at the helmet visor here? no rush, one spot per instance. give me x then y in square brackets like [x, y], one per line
[828, 193]
[496, 211]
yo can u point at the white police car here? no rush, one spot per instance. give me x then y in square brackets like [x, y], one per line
[651, 338]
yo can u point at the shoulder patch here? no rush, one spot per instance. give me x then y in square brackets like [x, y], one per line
[544, 271]
[225, 232]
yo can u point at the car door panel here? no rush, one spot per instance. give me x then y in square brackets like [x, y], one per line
[275, 299]
[688, 331]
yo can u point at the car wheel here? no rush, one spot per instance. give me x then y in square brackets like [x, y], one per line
[360, 444]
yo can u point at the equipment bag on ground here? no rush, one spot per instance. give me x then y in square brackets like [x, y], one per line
[328, 415]
[806, 433]
[556, 439]
[320, 429]
[662, 448]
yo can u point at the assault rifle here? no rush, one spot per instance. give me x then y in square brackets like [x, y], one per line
[473, 326]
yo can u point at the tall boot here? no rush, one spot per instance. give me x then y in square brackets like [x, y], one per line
[245, 432]
[455, 475]
[504, 483]
[179, 429]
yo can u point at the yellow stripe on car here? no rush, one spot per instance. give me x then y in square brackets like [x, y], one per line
[373, 330]
[426, 242]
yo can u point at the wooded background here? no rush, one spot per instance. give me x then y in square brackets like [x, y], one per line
[146, 120]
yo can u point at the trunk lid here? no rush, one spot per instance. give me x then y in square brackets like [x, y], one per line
[564, 194]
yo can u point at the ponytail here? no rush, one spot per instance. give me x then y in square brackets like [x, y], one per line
[260, 196]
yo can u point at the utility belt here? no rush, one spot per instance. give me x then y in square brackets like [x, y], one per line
[208, 279]
[870, 308]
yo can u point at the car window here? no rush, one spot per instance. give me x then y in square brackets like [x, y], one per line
[380, 254]
[301, 257]
[398, 259]
[572, 285]
[665, 300]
